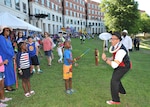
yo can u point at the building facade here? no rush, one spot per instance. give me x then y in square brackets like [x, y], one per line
[53, 15]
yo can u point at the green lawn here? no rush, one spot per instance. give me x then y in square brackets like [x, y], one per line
[91, 83]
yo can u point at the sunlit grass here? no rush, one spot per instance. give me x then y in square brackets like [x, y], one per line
[91, 83]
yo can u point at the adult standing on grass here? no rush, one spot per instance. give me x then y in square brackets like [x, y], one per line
[120, 63]
[47, 47]
[7, 52]
[126, 40]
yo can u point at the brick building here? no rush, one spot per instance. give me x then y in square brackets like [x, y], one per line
[52, 15]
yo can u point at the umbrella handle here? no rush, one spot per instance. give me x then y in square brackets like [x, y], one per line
[104, 46]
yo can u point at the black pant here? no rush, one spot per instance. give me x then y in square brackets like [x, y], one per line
[116, 85]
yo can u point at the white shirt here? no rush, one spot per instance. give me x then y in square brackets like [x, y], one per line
[127, 42]
[120, 54]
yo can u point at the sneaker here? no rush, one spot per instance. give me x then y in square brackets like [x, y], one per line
[40, 71]
[6, 99]
[112, 102]
[33, 71]
[68, 92]
[32, 92]
[10, 90]
[72, 90]
[27, 94]
[3, 105]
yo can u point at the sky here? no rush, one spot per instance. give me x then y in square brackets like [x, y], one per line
[143, 5]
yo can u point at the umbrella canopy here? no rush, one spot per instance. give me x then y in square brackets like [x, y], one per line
[6, 19]
[105, 36]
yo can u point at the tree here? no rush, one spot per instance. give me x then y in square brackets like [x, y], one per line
[144, 23]
[120, 14]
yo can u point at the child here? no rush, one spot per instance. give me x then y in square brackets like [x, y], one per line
[60, 52]
[32, 49]
[2, 97]
[24, 68]
[67, 67]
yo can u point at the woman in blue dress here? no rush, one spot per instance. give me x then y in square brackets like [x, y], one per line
[7, 52]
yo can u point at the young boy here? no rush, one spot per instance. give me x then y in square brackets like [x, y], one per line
[67, 67]
[2, 96]
[32, 49]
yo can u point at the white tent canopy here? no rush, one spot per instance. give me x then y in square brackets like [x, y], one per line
[6, 19]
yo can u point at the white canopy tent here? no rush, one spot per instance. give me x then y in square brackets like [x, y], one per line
[7, 19]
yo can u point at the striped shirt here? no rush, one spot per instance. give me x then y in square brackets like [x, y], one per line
[23, 60]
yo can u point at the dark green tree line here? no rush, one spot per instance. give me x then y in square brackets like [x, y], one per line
[121, 14]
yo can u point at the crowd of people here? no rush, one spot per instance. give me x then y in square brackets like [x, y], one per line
[25, 50]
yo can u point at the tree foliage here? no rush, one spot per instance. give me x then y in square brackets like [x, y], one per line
[144, 23]
[120, 14]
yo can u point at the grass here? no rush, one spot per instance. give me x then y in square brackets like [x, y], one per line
[92, 83]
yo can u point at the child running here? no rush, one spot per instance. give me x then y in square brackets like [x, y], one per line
[2, 76]
[60, 52]
[24, 68]
[67, 67]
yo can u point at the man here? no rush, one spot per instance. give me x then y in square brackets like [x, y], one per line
[121, 65]
[126, 40]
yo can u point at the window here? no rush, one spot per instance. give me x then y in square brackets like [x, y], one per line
[66, 4]
[75, 14]
[89, 5]
[42, 2]
[56, 8]
[66, 12]
[48, 3]
[60, 19]
[49, 16]
[75, 22]
[70, 13]
[8, 3]
[24, 8]
[17, 4]
[67, 21]
[53, 6]
[70, 5]
[71, 21]
[53, 17]
[56, 18]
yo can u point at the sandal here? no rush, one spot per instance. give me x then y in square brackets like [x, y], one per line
[32, 92]
[27, 94]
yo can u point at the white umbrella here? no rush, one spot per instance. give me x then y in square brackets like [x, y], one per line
[105, 36]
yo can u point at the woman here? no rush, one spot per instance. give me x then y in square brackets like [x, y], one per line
[7, 52]
[47, 47]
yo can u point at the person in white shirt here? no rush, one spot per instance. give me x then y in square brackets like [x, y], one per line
[126, 40]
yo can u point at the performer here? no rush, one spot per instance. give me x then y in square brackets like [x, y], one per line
[120, 63]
